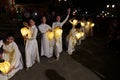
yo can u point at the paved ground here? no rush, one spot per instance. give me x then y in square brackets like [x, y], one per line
[50, 69]
[95, 54]
[92, 60]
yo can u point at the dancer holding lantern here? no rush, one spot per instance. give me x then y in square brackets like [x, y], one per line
[71, 41]
[12, 55]
[31, 46]
[57, 26]
[71, 38]
[74, 35]
[47, 38]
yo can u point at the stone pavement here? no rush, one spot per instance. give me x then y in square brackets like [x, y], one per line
[50, 69]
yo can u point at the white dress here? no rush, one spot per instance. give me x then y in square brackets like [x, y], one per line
[71, 41]
[12, 55]
[58, 46]
[46, 46]
[31, 48]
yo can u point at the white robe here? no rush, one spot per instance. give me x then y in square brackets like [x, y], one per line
[46, 44]
[12, 55]
[71, 41]
[31, 48]
[58, 46]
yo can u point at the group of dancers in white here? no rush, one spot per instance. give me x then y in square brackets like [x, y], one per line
[12, 54]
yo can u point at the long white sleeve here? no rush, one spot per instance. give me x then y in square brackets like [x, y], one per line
[1, 43]
[63, 22]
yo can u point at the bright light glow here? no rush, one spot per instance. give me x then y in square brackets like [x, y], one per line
[88, 23]
[17, 11]
[35, 13]
[58, 32]
[59, 0]
[25, 32]
[92, 25]
[86, 12]
[105, 14]
[5, 67]
[103, 11]
[82, 24]
[65, 0]
[113, 6]
[50, 35]
[74, 13]
[108, 13]
[112, 15]
[75, 22]
[108, 6]
[79, 35]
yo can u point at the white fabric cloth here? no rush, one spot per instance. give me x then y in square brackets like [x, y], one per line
[3, 77]
[31, 48]
[12, 55]
[58, 45]
[71, 41]
[46, 44]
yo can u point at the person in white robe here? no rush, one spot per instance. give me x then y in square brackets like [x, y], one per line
[74, 38]
[31, 46]
[58, 46]
[46, 44]
[71, 41]
[11, 54]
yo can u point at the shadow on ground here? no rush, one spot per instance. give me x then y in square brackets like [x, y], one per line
[53, 75]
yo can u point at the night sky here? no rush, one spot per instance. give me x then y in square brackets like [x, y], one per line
[85, 4]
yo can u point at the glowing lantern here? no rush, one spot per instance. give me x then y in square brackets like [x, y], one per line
[88, 23]
[74, 22]
[50, 35]
[25, 32]
[82, 24]
[58, 32]
[82, 34]
[79, 34]
[5, 67]
[92, 25]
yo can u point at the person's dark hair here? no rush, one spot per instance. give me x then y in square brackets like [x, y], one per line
[31, 19]
[10, 34]
[43, 16]
[58, 15]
